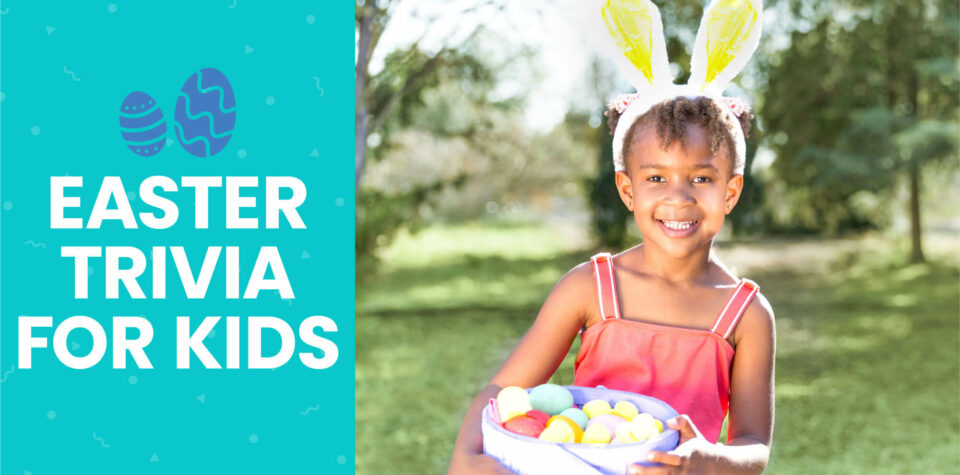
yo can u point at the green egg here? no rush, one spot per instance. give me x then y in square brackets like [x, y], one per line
[551, 398]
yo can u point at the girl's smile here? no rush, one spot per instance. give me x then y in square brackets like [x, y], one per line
[678, 229]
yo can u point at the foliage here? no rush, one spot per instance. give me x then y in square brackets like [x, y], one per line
[398, 100]
[748, 216]
[381, 214]
[455, 147]
[386, 103]
[610, 216]
[857, 102]
[399, 90]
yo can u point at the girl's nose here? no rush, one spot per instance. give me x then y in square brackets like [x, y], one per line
[679, 193]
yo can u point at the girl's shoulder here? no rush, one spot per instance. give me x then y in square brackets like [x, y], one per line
[577, 291]
[757, 322]
[578, 281]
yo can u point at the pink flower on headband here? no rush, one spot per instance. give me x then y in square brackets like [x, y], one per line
[736, 105]
[621, 102]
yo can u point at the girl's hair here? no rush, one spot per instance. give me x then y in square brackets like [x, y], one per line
[672, 117]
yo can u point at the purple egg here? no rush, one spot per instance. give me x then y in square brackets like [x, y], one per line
[206, 113]
[141, 124]
[609, 420]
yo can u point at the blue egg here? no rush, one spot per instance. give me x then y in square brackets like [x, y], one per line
[141, 124]
[206, 113]
[577, 416]
[551, 398]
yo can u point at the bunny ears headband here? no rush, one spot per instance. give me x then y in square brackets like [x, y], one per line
[728, 35]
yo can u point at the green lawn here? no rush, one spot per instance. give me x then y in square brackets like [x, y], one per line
[867, 361]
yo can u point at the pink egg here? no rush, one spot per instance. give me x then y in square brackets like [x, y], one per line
[524, 425]
[541, 416]
[609, 420]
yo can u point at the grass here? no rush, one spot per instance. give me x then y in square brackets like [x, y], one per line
[867, 362]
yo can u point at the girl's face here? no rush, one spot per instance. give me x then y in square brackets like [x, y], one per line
[679, 196]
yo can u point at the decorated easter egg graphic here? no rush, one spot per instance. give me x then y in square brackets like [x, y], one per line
[141, 124]
[206, 113]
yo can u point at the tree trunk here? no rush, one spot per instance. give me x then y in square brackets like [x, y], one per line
[360, 83]
[360, 144]
[916, 254]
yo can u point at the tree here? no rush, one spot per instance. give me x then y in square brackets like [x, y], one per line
[384, 102]
[377, 96]
[860, 103]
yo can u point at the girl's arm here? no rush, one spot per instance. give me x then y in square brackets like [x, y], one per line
[750, 427]
[531, 363]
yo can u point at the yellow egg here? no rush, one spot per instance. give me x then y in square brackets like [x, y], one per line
[623, 434]
[574, 427]
[596, 407]
[626, 410]
[644, 427]
[596, 434]
[557, 433]
[512, 401]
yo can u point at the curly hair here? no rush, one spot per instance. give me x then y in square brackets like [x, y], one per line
[671, 118]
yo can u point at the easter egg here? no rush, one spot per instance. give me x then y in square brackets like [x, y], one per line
[597, 407]
[524, 425]
[564, 420]
[596, 434]
[512, 401]
[141, 124]
[557, 433]
[622, 434]
[551, 398]
[611, 421]
[626, 410]
[541, 416]
[206, 113]
[644, 427]
[577, 416]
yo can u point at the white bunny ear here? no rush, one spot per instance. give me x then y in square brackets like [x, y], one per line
[636, 28]
[728, 35]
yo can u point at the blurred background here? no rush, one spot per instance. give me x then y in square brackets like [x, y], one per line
[483, 173]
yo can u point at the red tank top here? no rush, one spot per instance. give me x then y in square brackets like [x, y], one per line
[684, 367]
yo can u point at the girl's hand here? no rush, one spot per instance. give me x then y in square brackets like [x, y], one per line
[476, 464]
[694, 454]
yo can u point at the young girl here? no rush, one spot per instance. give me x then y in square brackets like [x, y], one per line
[666, 318]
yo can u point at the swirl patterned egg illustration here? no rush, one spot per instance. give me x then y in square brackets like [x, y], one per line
[141, 124]
[206, 113]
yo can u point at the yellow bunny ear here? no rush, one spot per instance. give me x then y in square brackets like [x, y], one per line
[728, 36]
[636, 28]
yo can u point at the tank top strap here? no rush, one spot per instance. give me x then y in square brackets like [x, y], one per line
[735, 307]
[606, 285]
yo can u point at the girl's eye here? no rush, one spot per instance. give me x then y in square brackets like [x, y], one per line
[701, 179]
[656, 179]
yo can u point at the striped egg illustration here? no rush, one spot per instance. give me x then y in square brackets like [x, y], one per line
[206, 113]
[141, 124]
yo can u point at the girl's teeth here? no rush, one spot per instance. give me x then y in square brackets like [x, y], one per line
[678, 225]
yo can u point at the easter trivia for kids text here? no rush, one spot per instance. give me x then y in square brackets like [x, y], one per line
[283, 195]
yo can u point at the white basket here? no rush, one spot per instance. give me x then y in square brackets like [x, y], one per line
[527, 455]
